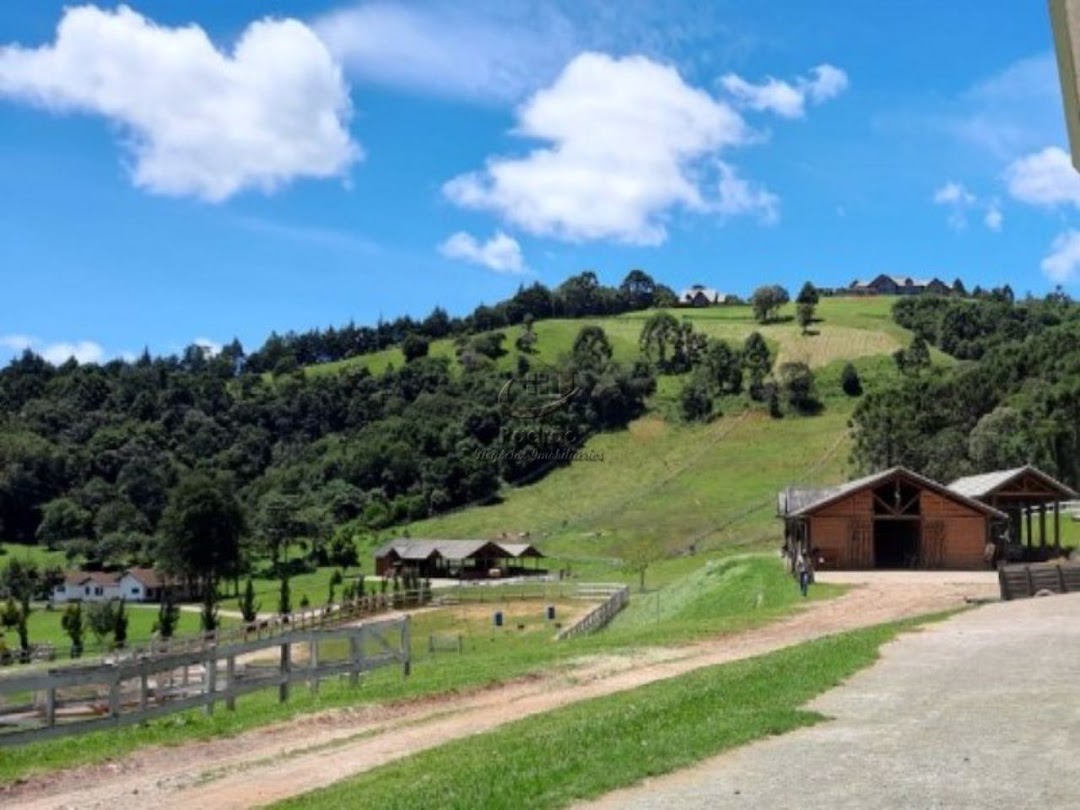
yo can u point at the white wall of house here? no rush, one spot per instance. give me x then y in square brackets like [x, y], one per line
[87, 592]
[132, 590]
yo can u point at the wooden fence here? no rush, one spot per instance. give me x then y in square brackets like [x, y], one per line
[1021, 581]
[78, 699]
[615, 599]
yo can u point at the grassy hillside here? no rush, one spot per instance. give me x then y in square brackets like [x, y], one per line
[687, 487]
[849, 328]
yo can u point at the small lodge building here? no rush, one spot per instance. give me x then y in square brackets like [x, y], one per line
[1026, 495]
[457, 559]
[891, 519]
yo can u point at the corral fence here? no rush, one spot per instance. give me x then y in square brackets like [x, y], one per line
[1038, 579]
[79, 699]
[615, 598]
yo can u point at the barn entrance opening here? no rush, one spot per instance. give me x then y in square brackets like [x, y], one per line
[896, 543]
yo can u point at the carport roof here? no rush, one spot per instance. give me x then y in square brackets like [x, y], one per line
[986, 484]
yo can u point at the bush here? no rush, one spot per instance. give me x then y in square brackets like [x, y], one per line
[850, 382]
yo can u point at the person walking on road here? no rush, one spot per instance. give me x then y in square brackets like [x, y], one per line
[802, 567]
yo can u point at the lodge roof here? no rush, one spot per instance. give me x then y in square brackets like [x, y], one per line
[796, 502]
[409, 549]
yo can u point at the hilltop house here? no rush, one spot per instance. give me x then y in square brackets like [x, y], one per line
[698, 295]
[132, 585]
[884, 284]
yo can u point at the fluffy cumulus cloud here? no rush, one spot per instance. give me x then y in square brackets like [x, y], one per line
[629, 142]
[1046, 178]
[959, 202]
[84, 351]
[1061, 263]
[500, 253]
[787, 99]
[198, 121]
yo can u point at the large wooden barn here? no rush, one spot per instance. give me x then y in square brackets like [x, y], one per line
[892, 519]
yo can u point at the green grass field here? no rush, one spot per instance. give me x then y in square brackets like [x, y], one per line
[589, 748]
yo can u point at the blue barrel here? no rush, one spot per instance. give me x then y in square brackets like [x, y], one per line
[550, 613]
[498, 618]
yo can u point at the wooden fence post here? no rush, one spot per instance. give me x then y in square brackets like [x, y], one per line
[405, 647]
[230, 677]
[283, 688]
[211, 680]
[114, 695]
[50, 706]
[313, 663]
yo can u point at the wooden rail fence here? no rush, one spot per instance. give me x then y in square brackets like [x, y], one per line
[615, 599]
[78, 699]
[1022, 581]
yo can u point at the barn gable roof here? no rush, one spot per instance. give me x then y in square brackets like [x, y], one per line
[409, 549]
[519, 550]
[795, 502]
[986, 484]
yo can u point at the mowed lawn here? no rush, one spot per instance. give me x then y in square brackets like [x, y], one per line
[847, 329]
[708, 485]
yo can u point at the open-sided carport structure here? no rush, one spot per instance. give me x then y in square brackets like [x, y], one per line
[1026, 494]
[891, 519]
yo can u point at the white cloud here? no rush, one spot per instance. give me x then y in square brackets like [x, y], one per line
[1061, 263]
[500, 253]
[1045, 178]
[959, 202]
[85, 351]
[953, 194]
[197, 121]
[737, 196]
[16, 343]
[783, 98]
[1014, 110]
[449, 49]
[630, 141]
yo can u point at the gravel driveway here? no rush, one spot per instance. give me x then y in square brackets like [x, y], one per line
[980, 711]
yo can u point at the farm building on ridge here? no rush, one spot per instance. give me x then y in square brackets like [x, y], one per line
[891, 519]
[699, 295]
[461, 559]
[884, 284]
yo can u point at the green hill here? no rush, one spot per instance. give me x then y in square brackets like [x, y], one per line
[688, 488]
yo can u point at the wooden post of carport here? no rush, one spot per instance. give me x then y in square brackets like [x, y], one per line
[1027, 512]
[1057, 525]
[1042, 525]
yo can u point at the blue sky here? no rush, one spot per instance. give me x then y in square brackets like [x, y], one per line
[193, 172]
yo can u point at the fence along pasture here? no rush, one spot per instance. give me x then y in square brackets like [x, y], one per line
[75, 700]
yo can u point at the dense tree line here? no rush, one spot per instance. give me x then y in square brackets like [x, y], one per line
[579, 296]
[132, 462]
[1019, 403]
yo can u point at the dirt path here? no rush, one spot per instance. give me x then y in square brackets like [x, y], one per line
[265, 765]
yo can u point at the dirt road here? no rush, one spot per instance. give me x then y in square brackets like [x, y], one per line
[272, 763]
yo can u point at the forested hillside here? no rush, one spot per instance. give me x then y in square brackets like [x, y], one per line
[1016, 400]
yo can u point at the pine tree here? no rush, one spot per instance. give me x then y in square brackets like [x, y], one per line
[120, 625]
[284, 599]
[249, 608]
